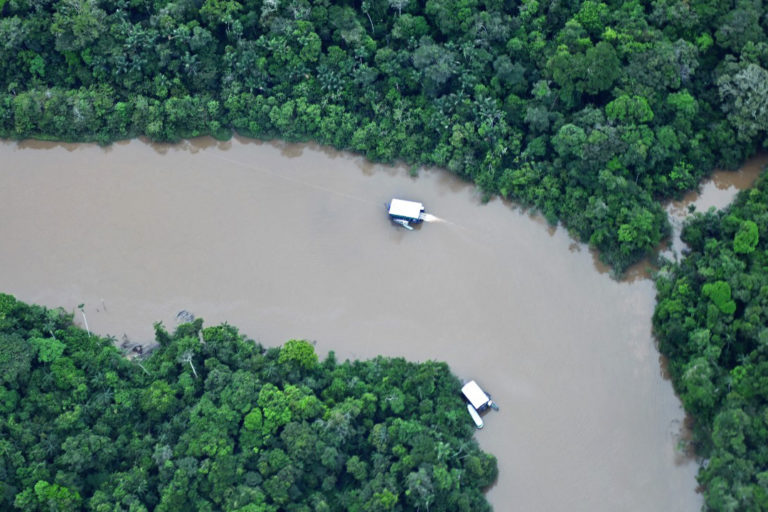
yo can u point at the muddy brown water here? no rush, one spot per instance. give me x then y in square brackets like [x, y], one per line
[292, 241]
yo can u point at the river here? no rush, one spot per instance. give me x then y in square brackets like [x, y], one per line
[292, 241]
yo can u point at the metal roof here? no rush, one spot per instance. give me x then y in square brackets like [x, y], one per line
[402, 208]
[474, 394]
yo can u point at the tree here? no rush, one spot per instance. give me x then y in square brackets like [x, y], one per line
[592, 16]
[48, 497]
[77, 24]
[601, 68]
[399, 5]
[746, 238]
[569, 141]
[720, 294]
[745, 100]
[299, 353]
[187, 357]
[436, 63]
[158, 399]
[16, 356]
[740, 25]
[48, 349]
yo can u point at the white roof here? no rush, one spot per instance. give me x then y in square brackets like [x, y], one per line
[474, 394]
[402, 208]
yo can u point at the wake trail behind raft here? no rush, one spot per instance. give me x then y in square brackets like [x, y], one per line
[428, 217]
[290, 179]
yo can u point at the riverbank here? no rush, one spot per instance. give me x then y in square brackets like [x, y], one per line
[710, 321]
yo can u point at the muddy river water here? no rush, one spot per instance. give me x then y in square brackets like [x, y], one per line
[292, 241]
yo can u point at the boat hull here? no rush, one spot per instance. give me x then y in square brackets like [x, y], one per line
[475, 416]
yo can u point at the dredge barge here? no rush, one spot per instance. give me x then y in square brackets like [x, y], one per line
[404, 213]
[477, 401]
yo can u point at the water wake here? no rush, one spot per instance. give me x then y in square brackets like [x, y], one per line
[428, 217]
[287, 178]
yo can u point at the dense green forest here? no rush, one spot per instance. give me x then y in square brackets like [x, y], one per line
[588, 111]
[712, 324]
[213, 421]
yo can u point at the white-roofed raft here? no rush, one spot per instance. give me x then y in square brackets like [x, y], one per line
[477, 401]
[404, 213]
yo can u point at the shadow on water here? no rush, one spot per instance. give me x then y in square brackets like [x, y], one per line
[203, 143]
[452, 183]
[370, 168]
[38, 145]
[681, 434]
[288, 149]
[681, 431]
[550, 228]
[643, 269]
[191, 146]
[247, 141]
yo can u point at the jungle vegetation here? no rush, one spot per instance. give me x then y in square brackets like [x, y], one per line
[588, 111]
[213, 421]
[712, 323]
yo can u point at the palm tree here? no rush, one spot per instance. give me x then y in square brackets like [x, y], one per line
[186, 357]
[81, 307]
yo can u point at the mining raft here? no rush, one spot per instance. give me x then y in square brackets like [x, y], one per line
[405, 213]
[477, 401]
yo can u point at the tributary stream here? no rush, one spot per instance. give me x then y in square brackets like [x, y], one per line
[292, 241]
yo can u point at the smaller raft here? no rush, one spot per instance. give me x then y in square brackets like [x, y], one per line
[478, 401]
[475, 416]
